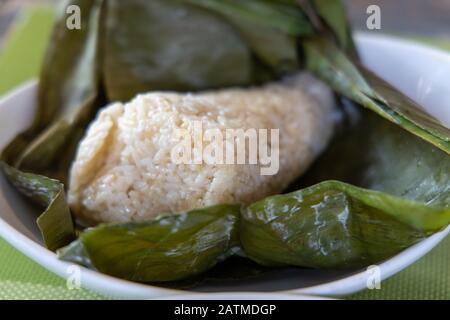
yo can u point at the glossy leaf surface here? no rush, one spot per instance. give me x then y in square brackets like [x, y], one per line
[334, 224]
[68, 92]
[364, 87]
[171, 247]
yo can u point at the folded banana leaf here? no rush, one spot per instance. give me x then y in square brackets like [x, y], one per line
[356, 82]
[178, 49]
[381, 186]
[67, 101]
[329, 17]
[172, 247]
[403, 195]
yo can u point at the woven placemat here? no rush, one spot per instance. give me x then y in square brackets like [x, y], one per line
[21, 278]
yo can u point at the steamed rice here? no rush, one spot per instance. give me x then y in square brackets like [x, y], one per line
[123, 169]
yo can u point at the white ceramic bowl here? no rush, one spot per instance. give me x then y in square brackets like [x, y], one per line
[420, 72]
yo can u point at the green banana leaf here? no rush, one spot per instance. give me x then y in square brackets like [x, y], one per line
[55, 223]
[284, 16]
[350, 79]
[336, 62]
[333, 14]
[380, 187]
[177, 49]
[403, 195]
[172, 247]
[67, 102]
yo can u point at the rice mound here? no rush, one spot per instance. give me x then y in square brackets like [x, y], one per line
[123, 169]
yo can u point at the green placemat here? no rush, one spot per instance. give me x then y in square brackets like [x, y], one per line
[21, 278]
[20, 58]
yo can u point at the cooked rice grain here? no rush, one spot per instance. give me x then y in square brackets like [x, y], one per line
[123, 169]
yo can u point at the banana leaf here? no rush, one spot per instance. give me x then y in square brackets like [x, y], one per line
[172, 247]
[329, 16]
[364, 87]
[284, 16]
[336, 62]
[176, 50]
[67, 101]
[376, 190]
[179, 48]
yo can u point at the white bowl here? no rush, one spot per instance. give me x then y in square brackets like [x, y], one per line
[420, 72]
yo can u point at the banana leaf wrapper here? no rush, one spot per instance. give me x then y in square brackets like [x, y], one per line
[403, 197]
[37, 160]
[170, 248]
[190, 45]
